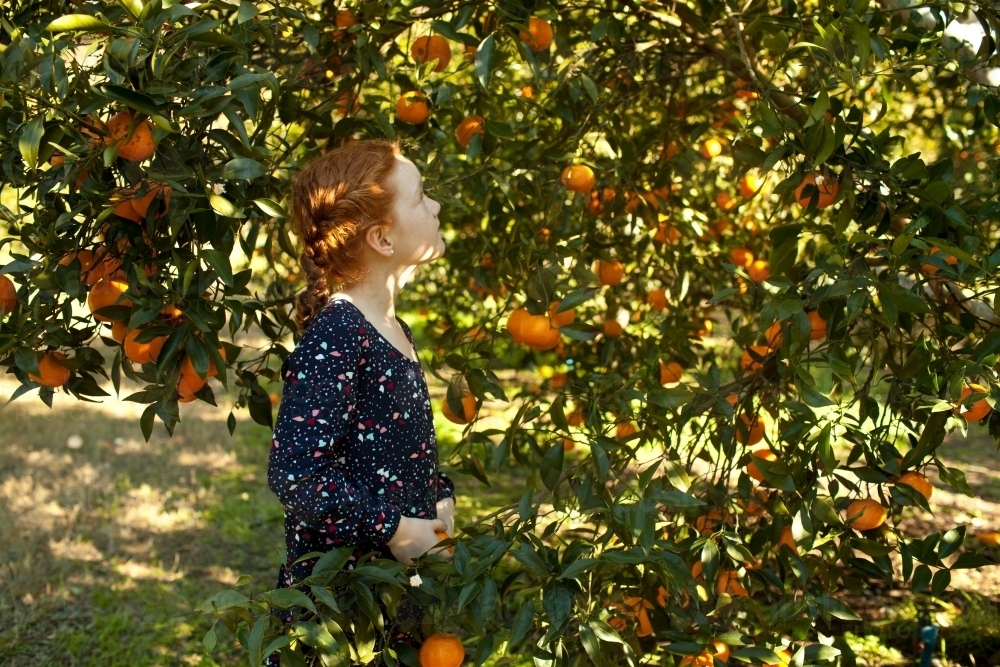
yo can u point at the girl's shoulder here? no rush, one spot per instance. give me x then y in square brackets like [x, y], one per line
[337, 319]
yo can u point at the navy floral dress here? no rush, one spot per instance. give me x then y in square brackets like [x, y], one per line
[354, 447]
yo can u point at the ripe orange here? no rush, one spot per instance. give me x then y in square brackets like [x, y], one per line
[742, 257]
[140, 145]
[824, 187]
[720, 650]
[539, 35]
[750, 184]
[742, 92]
[187, 366]
[118, 331]
[817, 326]
[346, 18]
[468, 409]
[609, 272]
[867, 513]
[670, 372]
[432, 47]
[703, 659]
[919, 482]
[949, 259]
[625, 430]
[787, 539]
[528, 92]
[412, 107]
[594, 205]
[759, 270]
[666, 232]
[189, 383]
[578, 178]
[726, 201]
[989, 538]
[8, 295]
[142, 353]
[442, 649]
[538, 332]
[762, 453]
[669, 151]
[106, 292]
[612, 329]
[568, 444]
[750, 431]
[543, 234]
[51, 372]
[443, 535]
[728, 581]
[86, 258]
[657, 299]
[707, 523]
[141, 203]
[514, 322]
[468, 127]
[563, 318]
[711, 148]
[753, 358]
[977, 410]
[774, 334]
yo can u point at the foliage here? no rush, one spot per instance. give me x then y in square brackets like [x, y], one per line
[881, 275]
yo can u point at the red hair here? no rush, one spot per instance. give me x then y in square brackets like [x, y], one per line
[336, 199]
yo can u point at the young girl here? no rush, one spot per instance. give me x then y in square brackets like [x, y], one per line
[354, 457]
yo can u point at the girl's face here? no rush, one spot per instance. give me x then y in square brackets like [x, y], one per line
[416, 233]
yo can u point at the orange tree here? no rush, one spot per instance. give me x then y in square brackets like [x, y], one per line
[757, 241]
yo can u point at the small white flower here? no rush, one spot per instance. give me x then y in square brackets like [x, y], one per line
[820, 179]
[219, 188]
[415, 580]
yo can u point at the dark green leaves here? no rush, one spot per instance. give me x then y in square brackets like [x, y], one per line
[245, 168]
[484, 60]
[78, 22]
[31, 136]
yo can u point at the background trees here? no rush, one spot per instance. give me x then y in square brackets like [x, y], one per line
[757, 243]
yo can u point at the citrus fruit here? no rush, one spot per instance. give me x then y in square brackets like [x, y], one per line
[919, 482]
[106, 292]
[468, 409]
[787, 539]
[537, 332]
[703, 659]
[432, 47]
[720, 650]
[865, 514]
[412, 107]
[657, 299]
[670, 372]
[821, 187]
[442, 649]
[759, 270]
[949, 259]
[725, 201]
[609, 272]
[750, 431]
[514, 322]
[469, 127]
[51, 373]
[764, 453]
[345, 18]
[741, 257]
[140, 145]
[8, 295]
[750, 184]
[753, 357]
[563, 318]
[118, 331]
[976, 411]
[728, 581]
[142, 353]
[711, 148]
[442, 535]
[625, 429]
[817, 326]
[578, 178]
[346, 99]
[612, 329]
[539, 35]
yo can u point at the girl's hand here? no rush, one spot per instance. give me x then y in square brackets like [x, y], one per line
[416, 537]
[446, 513]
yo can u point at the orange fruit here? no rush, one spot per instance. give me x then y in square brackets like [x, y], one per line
[753, 358]
[991, 539]
[594, 205]
[787, 539]
[187, 366]
[563, 318]
[106, 292]
[919, 482]
[468, 127]
[977, 410]
[750, 431]
[711, 148]
[348, 98]
[468, 409]
[118, 331]
[514, 322]
[412, 107]
[696, 569]
[346, 18]
[669, 150]
[51, 371]
[720, 650]
[609, 272]
[750, 184]
[543, 234]
[578, 178]
[8, 295]
[742, 257]
[785, 656]
[140, 145]
[442, 649]
[661, 596]
[759, 271]
[867, 514]
[443, 535]
[86, 258]
[568, 444]
[142, 353]
[612, 329]
[949, 259]
[761, 453]
[726, 201]
[707, 523]
[189, 383]
[538, 333]
[665, 232]
[432, 47]
[703, 659]
[670, 372]
[657, 299]
[774, 334]
[539, 35]
[625, 430]
[728, 581]
[823, 186]
[742, 92]
[141, 203]
[817, 326]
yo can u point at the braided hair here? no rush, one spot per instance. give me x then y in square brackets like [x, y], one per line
[336, 199]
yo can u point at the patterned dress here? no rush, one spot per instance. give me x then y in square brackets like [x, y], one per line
[354, 447]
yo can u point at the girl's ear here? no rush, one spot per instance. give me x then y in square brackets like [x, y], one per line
[377, 239]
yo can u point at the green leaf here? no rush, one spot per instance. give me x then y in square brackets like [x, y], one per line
[219, 261]
[578, 567]
[222, 600]
[483, 61]
[674, 397]
[133, 7]
[30, 138]
[271, 207]
[138, 101]
[522, 623]
[679, 499]
[223, 206]
[243, 167]
[970, 560]
[836, 608]
[72, 22]
[590, 644]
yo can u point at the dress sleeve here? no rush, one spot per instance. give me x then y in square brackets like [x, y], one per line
[316, 412]
[446, 487]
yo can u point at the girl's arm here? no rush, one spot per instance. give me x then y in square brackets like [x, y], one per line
[316, 413]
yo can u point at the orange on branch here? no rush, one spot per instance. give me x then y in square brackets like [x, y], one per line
[576, 417]
[612, 329]
[728, 581]
[348, 98]
[787, 539]
[726, 201]
[568, 444]
[919, 482]
[750, 431]
[670, 372]
[563, 318]
[666, 233]
[951, 260]
[703, 659]
[822, 187]
[977, 410]
[514, 322]
[707, 524]
[720, 650]
[442, 649]
[527, 92]
[753, 357]
[443, 535]
[190, 382]
[578, 178]
[625, 430]
[817, 326]
[742, 257]
[759, 270]
[609, 272]
[468, 127]
[106, 292]
[412, 107]
[657, 299]
[865, 514]
[51, 372]
[539, 35]
[432, 47]
[137, 147]
[142, 353]
[711, 148]
[538, 333]
[345, 18]
[8, 295]
[774, 334]
[468, 409]
[118, 331]
[750, 184]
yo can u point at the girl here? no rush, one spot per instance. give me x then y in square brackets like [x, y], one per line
[354, 456]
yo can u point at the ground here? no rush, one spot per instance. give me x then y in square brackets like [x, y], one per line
[107, 542]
